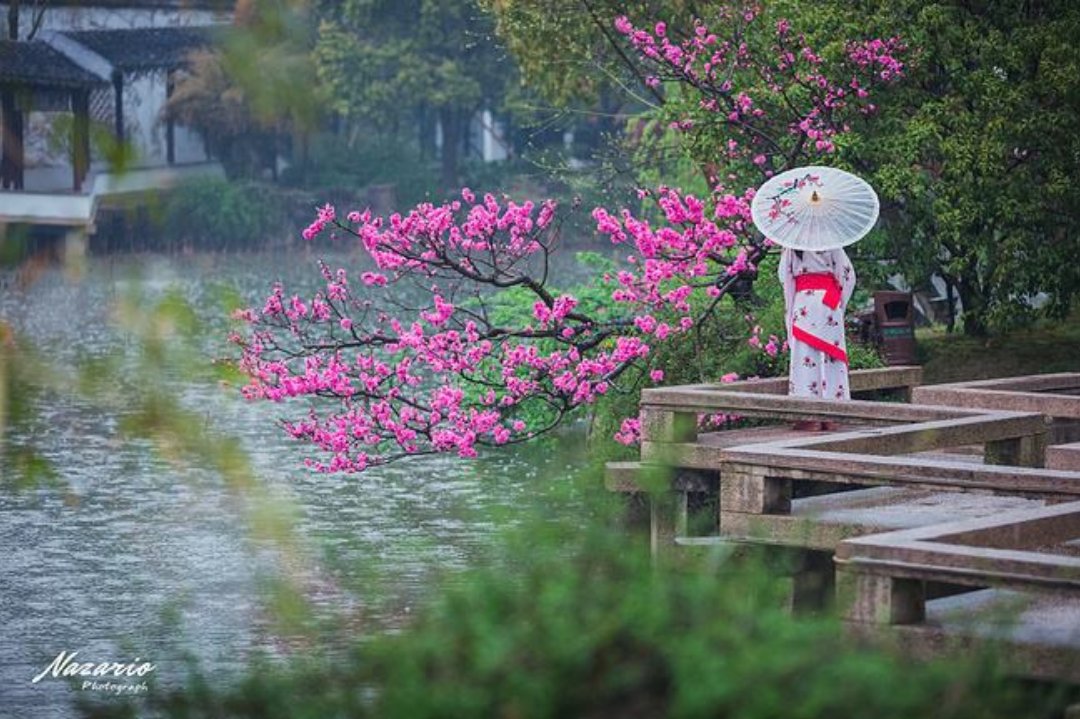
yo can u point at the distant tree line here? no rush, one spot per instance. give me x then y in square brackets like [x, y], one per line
[973, 153]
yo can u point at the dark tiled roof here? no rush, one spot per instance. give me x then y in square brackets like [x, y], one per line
[34, 63]
[218, 5]
[142, 49]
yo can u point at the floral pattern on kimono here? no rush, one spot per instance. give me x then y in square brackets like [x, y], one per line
[816, 330]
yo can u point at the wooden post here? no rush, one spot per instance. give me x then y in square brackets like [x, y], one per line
[13, 160]
[80, 137]
[170, 126]
[118, 104]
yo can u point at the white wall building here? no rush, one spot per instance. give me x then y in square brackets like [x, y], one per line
[134, 49]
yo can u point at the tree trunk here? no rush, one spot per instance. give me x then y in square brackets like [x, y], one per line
[971, 297]
[453, 137]
[950, 305]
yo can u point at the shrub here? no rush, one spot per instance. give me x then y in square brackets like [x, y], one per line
[213, 213]
[570, 619]
[333, 167]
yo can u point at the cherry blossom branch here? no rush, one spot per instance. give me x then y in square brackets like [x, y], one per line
[454, 338]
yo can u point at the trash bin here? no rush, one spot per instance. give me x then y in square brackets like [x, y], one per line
[895, 318]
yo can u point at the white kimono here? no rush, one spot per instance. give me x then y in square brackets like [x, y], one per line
[815, 321]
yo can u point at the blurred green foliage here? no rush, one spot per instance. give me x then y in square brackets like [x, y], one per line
[570, 618]
[118, 155]
[253, 96]
[134, 381]
[23, 381]
[397, 68]
[137, 385]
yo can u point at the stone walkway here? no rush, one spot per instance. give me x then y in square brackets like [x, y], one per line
[948, 517]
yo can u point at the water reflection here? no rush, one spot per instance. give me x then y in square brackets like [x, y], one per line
[135, 554]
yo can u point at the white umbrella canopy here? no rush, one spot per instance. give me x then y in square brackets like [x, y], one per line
[815, 208]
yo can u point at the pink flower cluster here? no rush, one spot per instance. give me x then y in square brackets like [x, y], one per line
[669, 264]
[881, 56]
[755, 81]
[323, 217]
[451, 378]
[411, 354]
[772, 347]
[629, 432]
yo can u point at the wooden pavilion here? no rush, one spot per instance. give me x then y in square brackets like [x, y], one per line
[59, 71]
[34, 75]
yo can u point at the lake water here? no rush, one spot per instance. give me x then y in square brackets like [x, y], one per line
[139, 551]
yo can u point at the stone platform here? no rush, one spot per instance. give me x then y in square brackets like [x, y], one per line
[1016, 578]
[967, 453]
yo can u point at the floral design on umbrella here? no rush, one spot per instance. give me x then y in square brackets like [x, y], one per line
[815, 208]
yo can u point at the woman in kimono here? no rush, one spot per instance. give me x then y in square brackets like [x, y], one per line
[817, 287]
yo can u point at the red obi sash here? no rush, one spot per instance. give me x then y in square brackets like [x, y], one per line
[821, 281]
[833, 293]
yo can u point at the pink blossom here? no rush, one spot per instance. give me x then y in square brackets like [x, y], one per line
[444, 373]
[629, 432]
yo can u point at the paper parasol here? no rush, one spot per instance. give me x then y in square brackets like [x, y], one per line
[815, 208]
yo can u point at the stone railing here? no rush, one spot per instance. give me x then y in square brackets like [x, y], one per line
[980, 454]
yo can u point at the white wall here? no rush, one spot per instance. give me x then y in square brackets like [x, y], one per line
[87, 17]
[144, 98]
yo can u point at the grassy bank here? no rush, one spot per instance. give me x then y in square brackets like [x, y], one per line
[1043, 347]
